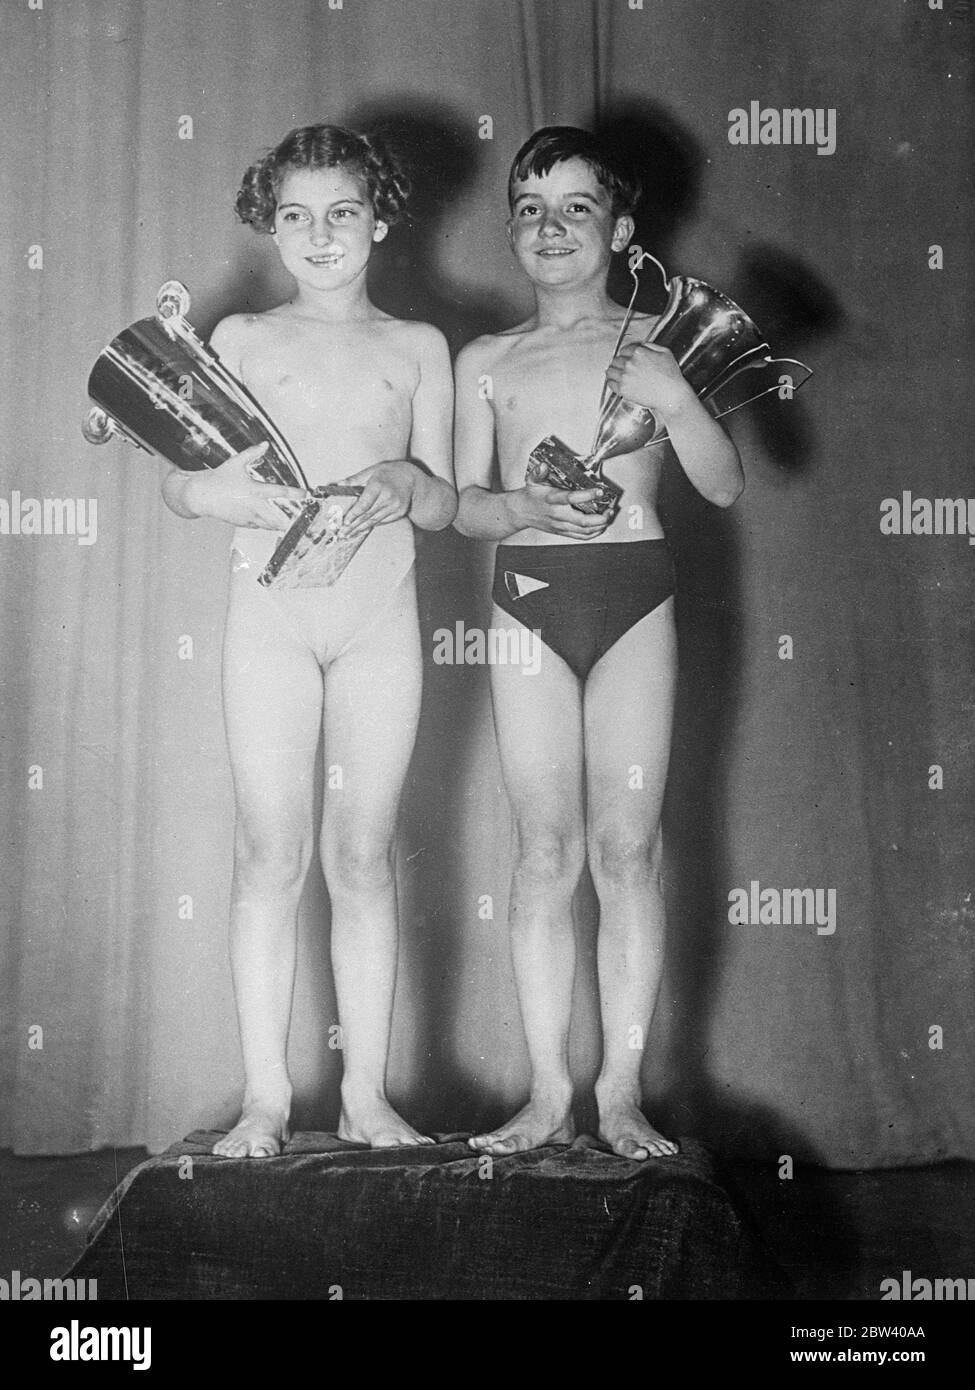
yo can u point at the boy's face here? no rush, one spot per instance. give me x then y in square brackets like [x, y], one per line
[324, 226]
[562, 228]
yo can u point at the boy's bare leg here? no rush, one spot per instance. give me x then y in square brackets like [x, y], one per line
[538, 719]
[272, 706]
[629, 701]
[372, 703]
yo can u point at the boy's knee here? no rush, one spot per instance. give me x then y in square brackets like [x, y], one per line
[549, 854]
[623, 859]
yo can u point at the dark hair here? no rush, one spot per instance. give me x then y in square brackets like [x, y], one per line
[323, 147]
[554, 144]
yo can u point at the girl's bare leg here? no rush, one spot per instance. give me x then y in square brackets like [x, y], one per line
[372, 705]
[272, 706]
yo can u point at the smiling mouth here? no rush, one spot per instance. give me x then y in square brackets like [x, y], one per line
[556, 251]
[332, 259]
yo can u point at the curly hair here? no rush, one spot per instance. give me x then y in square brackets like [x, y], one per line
[323, 147]
[554, 144]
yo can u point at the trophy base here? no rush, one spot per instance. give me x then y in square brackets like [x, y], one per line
[311, 554]
[554, 463]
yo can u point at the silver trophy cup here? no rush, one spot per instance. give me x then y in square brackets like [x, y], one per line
[159, 387]
[715, 344]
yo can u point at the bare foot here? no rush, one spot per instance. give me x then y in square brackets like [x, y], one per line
[628, 1132]
[542, 1121]
[260, 1132]
[370, 1119]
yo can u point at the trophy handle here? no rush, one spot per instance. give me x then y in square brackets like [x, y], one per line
[172, 300]
[99, 428]
[723, 400]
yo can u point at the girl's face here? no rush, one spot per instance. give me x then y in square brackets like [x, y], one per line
[324, 226]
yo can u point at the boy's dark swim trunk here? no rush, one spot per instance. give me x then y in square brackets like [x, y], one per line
[582, 598]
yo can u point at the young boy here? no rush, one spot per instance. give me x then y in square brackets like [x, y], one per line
[599, 589]
[367, 399]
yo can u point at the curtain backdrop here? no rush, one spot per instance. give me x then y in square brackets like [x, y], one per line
[813, 771]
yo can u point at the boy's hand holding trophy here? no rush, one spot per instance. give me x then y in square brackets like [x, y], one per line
[713, 342]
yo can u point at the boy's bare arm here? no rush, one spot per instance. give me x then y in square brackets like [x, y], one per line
[706, 454]
[648, 375]
[482, 513]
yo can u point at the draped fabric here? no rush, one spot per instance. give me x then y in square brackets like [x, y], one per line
[329, 1220]
[839, 760]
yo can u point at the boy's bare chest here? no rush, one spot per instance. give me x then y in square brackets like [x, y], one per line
[568, 374]
[544, 391]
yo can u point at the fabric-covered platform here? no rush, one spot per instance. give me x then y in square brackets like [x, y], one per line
[329, 1219]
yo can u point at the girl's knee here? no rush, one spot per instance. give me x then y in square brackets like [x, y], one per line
[356, 865]
[270, 861]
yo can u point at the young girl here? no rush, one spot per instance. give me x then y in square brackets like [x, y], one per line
[365, 399]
